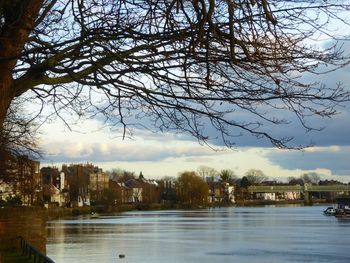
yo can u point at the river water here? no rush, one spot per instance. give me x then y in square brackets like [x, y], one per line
[246, 234]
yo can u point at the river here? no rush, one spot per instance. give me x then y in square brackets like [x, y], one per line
[241, 235]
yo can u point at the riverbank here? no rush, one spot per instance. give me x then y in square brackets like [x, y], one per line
[55, 213]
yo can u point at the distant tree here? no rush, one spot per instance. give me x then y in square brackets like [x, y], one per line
[227, 175]
[207, 172]
[121, 175]
[295, 181]
[312, 178]
[329, 182]
[191, 189]
[255, 176]
[244, 183]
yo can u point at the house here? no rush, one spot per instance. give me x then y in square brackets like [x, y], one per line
[266, 196]
[230, 193]
[55, 188]
[121, 194]
[136, 189]
[291, 195]
[53, 197]
[167, 189]
[220, 192]
[77, 176]
[51, 176]
[98, 183]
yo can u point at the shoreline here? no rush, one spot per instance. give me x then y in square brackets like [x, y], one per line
[57, 213]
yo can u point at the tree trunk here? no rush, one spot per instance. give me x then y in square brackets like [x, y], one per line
[18, 18]
[5, 98]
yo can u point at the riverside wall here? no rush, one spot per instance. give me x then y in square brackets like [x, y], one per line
[28, 222]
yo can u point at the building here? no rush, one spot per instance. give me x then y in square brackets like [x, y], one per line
[77, 176]
[266, 196]
[98, 184]
[220, 192]
[51, 176]
[136, 189]
[55, 187]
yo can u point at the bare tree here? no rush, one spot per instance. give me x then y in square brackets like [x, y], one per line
[206, 172]
[19, 134]
[18, 143]
[255, 176]
[312, 178]
[181, 65]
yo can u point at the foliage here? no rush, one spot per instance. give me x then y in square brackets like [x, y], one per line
[244, 183]
[330, 182]
[12, 201]
[295, 181]
[227, 175]
[191, 189]
[185, 66]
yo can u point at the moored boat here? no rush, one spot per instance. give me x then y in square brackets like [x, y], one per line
[341, 209]
[330, 211]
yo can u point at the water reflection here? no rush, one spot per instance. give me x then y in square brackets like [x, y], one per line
[264, 234]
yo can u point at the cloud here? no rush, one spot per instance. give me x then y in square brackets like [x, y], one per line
[117, 150]
[333, 158]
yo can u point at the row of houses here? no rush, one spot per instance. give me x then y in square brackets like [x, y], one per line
[84, 185]
[78, 185]
[73, 185]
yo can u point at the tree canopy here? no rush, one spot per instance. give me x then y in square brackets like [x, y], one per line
[192, 189]
[191, 66]
[227, 175]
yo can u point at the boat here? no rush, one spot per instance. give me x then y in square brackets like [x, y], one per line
[343, 206]
[330, 211]
[341, 209]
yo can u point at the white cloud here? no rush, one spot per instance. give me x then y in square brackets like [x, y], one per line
[333, 158]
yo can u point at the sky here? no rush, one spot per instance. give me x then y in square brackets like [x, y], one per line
[165, 154]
